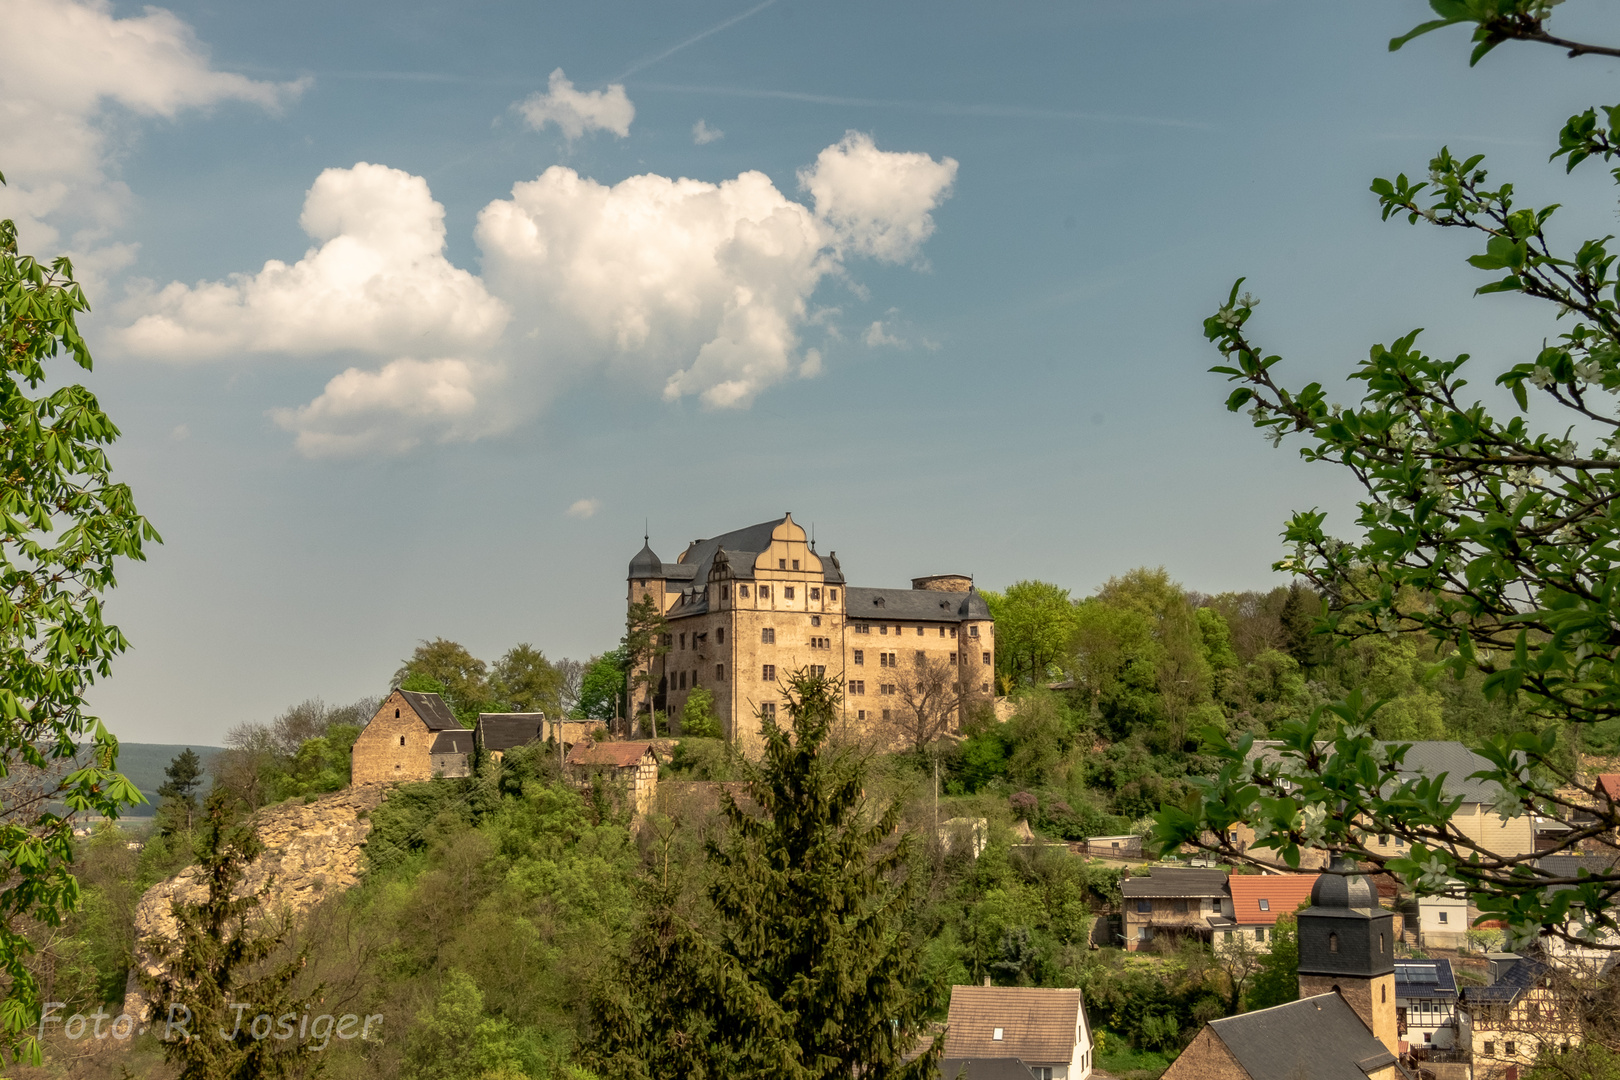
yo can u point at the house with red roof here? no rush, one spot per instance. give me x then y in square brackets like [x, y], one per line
[1254, 901]
[633, 764]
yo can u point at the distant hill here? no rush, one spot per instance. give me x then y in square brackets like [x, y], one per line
[144, 763]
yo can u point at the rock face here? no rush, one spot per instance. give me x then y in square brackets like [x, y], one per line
[311, 851]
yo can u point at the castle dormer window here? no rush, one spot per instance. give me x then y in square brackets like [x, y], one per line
[781, 564]
[795, 564]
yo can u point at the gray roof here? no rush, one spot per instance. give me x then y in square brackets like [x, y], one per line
[914, 605]
[1514, 981]
[1318, 1038]
[1426, 759]
[646, 564]
[1176, 881]
[699, 554]
[433, 711]
[984, 1069]
[1570, 866]
[459, 741]
[1424, 979]
[502, 731]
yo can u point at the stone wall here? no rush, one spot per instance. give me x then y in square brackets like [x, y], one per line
[1206, 1058]
[379, 755]
[312, 850]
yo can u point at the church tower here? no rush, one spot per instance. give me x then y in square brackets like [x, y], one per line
[1347, 947]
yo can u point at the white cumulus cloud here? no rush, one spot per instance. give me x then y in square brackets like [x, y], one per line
[377, 282]
[577, 111]
[703, 134]
[685, 287]
[877, 337]
[72, 78]
[584, 508]
[878, 203]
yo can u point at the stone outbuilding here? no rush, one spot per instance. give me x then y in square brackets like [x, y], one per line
[412, 737]
[633, 764]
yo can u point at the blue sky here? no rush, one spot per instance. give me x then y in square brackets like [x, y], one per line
[953, 322]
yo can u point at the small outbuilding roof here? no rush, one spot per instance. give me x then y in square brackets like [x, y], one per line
[620, 755]
[1035, 1024]
[458, 741]
[432, 709]
[1257, 899]
[1424, 979]
[1514, 981]
[1319, 1037]
[502, 731]
[1176, 881]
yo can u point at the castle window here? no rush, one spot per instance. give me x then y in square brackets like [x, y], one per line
[921, 659]
[942, 631]
[396, 714]
[984, 688]
[787, 592]
[897, 631]
[720, 636]
[795, 564]
[767, 636]
[815, 620]
[719, 673]
[953, 632]
[767, 711]
[682, 681]
[764, 592]
[885, 714]
[818, 670]
[768, 673]
[694, 678]
[860, 656]
[402, 740]
[921, 631]
[863, 628]
[887, 688]
[986, 659]
[1333, 943]
[815, 594]
[857, 686]
[781, 564]
[953, 658]
[883, 629]
[835, 594]
[742, 590]
[683, 641]
[860, 714]
[725, 593]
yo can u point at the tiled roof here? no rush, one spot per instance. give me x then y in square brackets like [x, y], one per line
[432, 709]
[1037, 1025]
[984, 1069]
[458, 741]
[1609, 784]
[1424, 979]
[1320, 1038]
[502, 731]
[618, 754]
[1282, 893]
[1176, 881]
[1429, 758]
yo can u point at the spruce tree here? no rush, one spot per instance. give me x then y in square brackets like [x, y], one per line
[804, 969]
[218, 977]
[184, 775]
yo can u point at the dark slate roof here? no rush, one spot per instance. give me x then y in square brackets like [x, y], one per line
[1319, 1037]
[432, 709]
[750, 541]
[1570, 866]
[502, 731]
[1176, 881]
[914, 605]
[1428, 759]
[984, 1069]
[459, 741]
[1514, 981]
[1424, 979]
[646, 564]
[1343, 889]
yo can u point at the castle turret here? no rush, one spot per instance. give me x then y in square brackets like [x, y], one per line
[1347, 947]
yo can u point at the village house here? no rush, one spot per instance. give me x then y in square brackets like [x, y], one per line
[1442, 921]
[992, 1027]
[1171, 902]
[412, 737]
[748, 608]
[1528, 1010]
[1252, 904]
[1426, 1017]
[1109, 847]
[1343, 1027]
[631, 764]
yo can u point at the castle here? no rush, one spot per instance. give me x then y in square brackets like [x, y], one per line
[749, 608]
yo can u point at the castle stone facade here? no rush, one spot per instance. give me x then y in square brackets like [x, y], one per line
[751, 607]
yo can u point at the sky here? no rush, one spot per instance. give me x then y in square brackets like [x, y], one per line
[414, 316]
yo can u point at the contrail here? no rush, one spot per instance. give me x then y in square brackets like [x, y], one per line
[693, 40]
[944, 108]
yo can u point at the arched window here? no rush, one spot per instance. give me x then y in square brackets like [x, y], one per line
[1383, 994]
[396, 714]
[1333, 943]
[402, 740]
[1380, 944]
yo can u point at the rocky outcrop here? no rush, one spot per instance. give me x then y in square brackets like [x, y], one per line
[311, 851]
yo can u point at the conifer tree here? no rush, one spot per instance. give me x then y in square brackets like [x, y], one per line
[184, 777]
[218, 978]
[804, 969]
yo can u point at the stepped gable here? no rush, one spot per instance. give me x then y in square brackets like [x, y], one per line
[311, 850]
